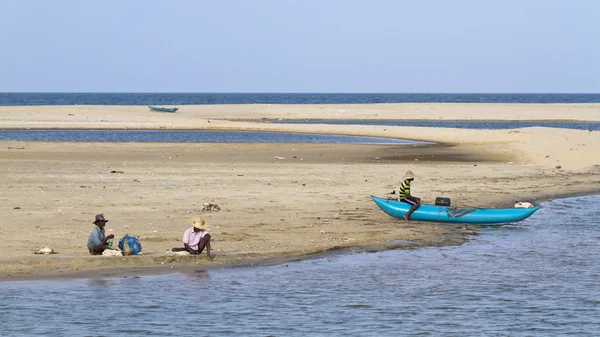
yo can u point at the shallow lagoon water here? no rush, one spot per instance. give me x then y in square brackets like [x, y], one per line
[536, 278]
[482, 125]
[195, 136]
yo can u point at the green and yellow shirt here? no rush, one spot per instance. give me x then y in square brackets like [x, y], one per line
[404, 189]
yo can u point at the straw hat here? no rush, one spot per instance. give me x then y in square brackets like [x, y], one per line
[408, 175]
[199, 223]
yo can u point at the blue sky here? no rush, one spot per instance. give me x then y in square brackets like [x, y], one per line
[300, 46]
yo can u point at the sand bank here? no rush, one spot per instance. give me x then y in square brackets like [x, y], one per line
[272, 209]
[197, 116]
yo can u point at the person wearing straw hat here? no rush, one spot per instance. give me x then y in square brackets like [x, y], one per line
[196, 238]
[98, 241]
[405, 196]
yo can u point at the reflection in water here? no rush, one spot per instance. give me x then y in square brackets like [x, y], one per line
[199, 275]
[101, 282]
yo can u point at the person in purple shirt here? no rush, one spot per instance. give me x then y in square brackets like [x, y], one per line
[196, 238]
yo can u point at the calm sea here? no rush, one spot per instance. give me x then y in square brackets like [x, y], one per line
[280, 98]
[537, 278]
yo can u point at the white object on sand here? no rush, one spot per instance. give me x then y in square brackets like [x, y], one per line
[46, 251]
[523, 204]
[170, 253]
[329, 217]
[112, 252]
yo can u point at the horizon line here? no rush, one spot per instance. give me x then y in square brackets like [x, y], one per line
[301, 93]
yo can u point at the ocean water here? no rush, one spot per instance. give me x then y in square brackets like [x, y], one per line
[180, 136]
[281, 98]
[490, 125]
[535, 278]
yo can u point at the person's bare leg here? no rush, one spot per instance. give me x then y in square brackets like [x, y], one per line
[205, 241]
[179, 249]
[98, 249]
[410, 211]
[208, 250]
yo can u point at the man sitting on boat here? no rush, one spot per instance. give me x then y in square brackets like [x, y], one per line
[196, 238]
[405, 196]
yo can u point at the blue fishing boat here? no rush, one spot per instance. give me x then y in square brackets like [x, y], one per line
[453, 214]
[160, 109]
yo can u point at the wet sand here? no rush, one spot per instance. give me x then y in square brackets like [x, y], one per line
[314, 201]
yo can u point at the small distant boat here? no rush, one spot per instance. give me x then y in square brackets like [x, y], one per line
[463, 215]
[161, 109]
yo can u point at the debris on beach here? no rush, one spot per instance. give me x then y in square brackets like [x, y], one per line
[171, 253]
[523, 204]
[401, 241]
[112, 252]
[17, 207]
[210, 207]
[277, 157]
[16, 148]
[45, 251]
[118, 172]
[329, 217]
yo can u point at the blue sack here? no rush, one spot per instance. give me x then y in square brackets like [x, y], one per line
[133, 244]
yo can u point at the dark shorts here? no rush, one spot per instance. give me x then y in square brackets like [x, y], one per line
[410, 200]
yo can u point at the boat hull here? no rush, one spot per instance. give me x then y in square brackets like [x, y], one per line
[156, 108]
[466, 215]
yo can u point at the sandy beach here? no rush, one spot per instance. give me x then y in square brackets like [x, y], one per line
[313, 201]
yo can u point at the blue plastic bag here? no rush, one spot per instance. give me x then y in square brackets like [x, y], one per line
[134, 244]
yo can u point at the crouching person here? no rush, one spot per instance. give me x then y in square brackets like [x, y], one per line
[196, 238]
[98, 242]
